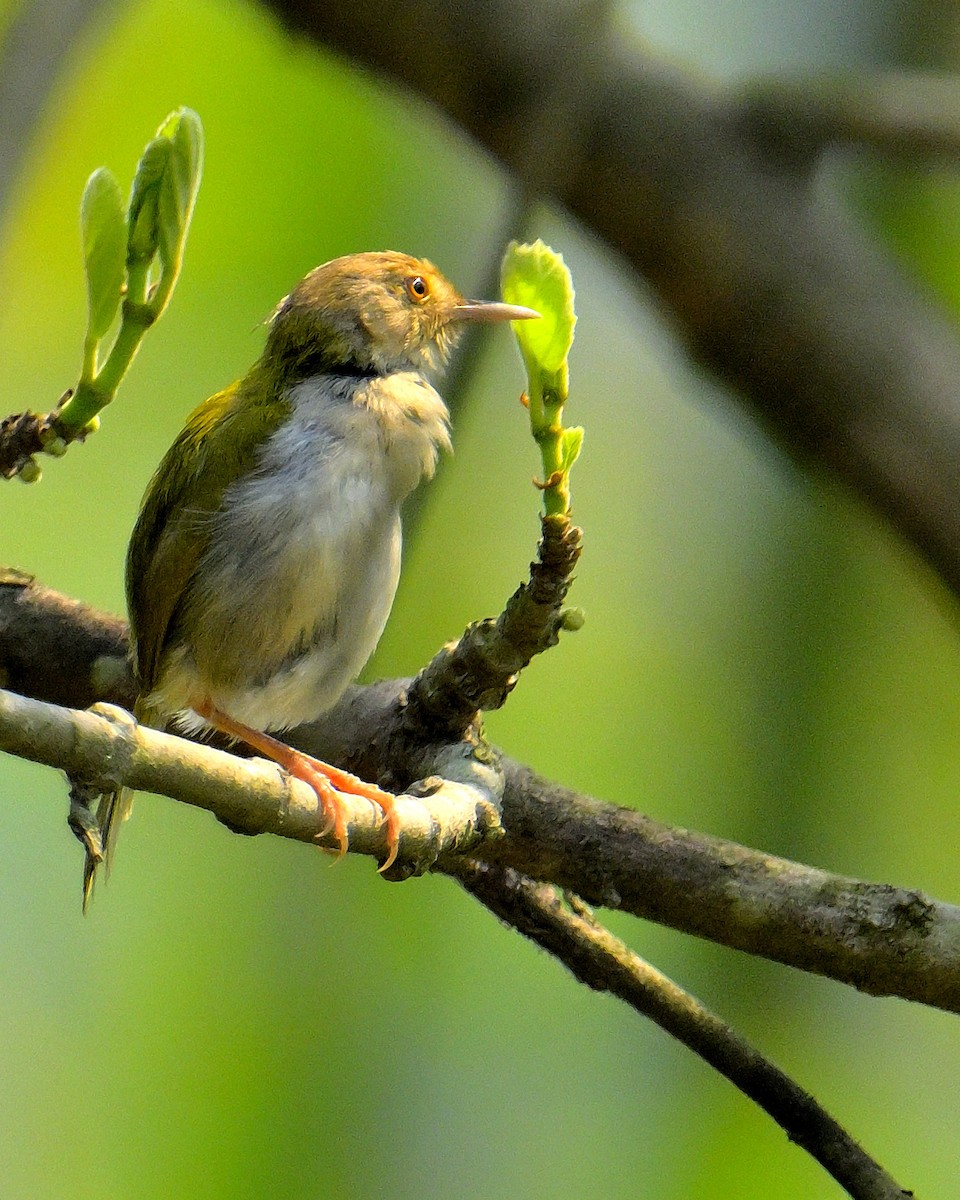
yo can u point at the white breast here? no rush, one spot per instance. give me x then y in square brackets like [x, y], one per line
[297, 584]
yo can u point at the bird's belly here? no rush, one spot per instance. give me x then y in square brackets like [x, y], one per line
[288, 605]
[298, 692]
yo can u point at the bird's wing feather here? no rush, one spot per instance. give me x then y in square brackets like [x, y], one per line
[112, 811]
[218, 445]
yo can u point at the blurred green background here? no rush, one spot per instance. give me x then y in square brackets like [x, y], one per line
[761, 660]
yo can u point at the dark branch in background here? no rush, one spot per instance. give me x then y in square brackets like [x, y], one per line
[39, 37]
[908, 115]
[713, 197]
[603, 962]
[56, 649]
[880, 939]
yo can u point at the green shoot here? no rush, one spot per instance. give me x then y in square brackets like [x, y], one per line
[537, 277]
[132, 261]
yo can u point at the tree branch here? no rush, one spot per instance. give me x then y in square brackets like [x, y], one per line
[105, 748]
[770, 284]
[602, 961]
[57, 649]
[880, 939]
[478, 672]
[39, 37]
[908, 115]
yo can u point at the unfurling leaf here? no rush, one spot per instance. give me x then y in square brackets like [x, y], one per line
[536, 276]
[144, 209]
[103, 231]
[570, 447]
[178, 194]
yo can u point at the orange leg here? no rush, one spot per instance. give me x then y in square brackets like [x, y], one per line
[328, 782]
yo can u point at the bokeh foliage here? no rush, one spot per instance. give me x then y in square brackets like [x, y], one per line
[762, 660]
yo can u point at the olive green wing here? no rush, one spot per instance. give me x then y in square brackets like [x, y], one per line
[218, 445]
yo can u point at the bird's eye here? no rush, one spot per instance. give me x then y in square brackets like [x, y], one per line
[417, 288]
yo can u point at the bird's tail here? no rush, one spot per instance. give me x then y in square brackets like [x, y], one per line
[112, 811]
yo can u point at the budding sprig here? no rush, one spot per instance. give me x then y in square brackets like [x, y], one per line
[132, 257]
[537, 277]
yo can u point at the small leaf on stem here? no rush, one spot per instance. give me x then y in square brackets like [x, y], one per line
[570, 447]
[104, 234]
[178, 194]
[143, 211]
[537, 277]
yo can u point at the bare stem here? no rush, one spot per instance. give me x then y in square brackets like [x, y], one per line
[603, 962]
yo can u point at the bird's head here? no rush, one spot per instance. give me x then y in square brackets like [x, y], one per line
[378, 311]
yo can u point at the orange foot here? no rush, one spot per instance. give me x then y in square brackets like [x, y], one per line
[329, 783]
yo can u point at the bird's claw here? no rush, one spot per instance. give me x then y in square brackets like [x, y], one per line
[331, 797]
[83, 821]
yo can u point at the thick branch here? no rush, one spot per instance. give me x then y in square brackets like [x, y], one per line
[905, 114]
[105, 748]
[772, 289]
[603, 962]
[57, 649]
[880, 939]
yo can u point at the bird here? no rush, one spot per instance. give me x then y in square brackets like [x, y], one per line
[266, 555]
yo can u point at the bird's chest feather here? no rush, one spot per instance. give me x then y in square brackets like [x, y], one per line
[307, 547]
[295, 585]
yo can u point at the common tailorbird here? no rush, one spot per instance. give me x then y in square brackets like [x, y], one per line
[265, 559]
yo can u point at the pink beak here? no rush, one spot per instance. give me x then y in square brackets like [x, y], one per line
[491, 310]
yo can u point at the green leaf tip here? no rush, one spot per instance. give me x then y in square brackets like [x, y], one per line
[164, 193]
[142, 212]
[103, 230]
[536, 276]
[178, 192]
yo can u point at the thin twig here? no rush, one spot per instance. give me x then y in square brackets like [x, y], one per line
[603, 962]
[479, 671]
